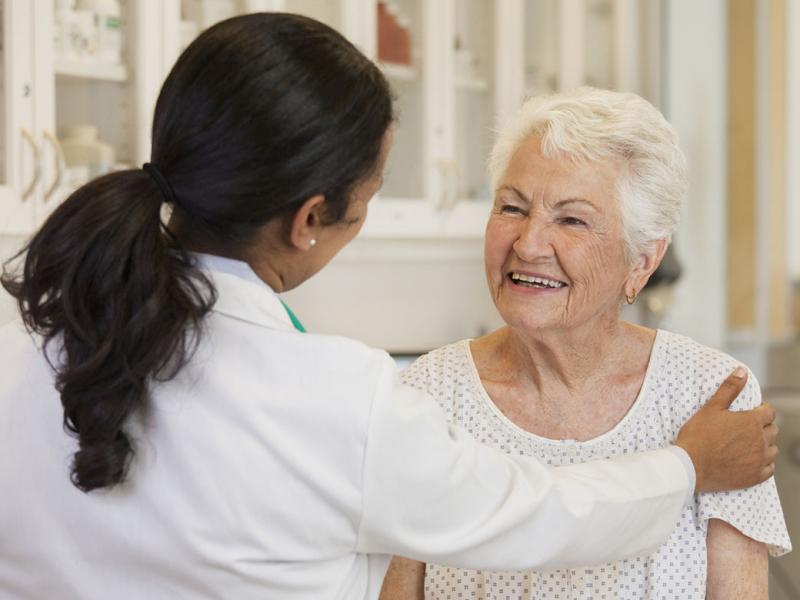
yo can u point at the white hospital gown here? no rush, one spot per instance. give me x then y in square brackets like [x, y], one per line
[682, 374]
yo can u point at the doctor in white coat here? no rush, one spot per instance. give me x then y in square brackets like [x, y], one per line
[168, 431]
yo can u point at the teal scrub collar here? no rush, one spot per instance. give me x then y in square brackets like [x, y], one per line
[295, 321]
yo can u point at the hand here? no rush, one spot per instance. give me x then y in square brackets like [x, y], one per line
[730, 450]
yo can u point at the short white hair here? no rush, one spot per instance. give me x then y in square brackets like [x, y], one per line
[592, 124]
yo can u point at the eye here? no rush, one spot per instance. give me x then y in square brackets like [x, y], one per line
[509, 209]
[573, 221]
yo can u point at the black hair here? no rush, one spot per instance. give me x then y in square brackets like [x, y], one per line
[260, 113]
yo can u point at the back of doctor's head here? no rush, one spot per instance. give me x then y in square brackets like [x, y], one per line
[259, 113]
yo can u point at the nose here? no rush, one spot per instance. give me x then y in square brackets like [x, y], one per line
[535, 239]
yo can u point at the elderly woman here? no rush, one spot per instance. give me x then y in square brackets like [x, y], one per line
[588, 191]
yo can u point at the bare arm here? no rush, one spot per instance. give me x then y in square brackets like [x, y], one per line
[737, 565]
[405, 580]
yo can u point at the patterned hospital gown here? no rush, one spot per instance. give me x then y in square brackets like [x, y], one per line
[681, 373]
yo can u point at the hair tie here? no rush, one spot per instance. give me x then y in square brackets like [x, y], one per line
[161, 182]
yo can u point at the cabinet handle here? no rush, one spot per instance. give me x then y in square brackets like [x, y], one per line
[448, 170]
[59, 162]
[454, 177]
[447, 173]
[37, 166]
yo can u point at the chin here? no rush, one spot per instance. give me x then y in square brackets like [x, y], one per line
[528, 323]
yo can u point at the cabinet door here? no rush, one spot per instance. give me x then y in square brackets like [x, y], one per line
[598, 47]
[329, 12]
[93, 99]
[475, 113]
[19, 151]
[406, 60]
[611, 44]
[411, 47]
[487, 85]
[197, 15]
[541, 46]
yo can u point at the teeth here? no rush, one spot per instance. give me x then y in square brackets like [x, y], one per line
[551, 283]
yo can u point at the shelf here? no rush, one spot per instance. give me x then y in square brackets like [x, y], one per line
[88, 70]
[398, 72]
[473, 85]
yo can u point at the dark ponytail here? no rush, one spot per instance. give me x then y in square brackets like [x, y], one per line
[124, 306]
[260, 113]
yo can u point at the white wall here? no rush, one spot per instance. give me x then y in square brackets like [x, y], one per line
[8, 247]
[695, 103]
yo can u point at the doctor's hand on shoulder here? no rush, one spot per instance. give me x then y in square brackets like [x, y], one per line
[730, 450]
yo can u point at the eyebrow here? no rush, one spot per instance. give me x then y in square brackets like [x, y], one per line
[511, 188]
[559, 204]
[562, 203]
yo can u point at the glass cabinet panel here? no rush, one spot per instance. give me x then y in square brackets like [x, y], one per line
[546, 21]
[327, 11]
[399, 52]
[599, 44]
[3, 140]
[474, 60]
[197, 15]
[541, 46]
[93, 88]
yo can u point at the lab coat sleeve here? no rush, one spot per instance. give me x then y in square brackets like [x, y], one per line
[432, 493]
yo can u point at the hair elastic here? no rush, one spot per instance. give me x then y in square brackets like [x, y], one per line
[161, 182]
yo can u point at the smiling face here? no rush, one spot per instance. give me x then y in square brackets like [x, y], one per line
[555, 252]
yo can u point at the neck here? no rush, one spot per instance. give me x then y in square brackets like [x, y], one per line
[573, 358]
[271, 263]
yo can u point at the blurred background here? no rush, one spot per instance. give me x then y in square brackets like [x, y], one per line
[79, 78]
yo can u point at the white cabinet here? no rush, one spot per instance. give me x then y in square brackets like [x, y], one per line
[19, 156]
[436, 183]
[472, 63]
[59, 73]
[603, 43]
[457, 68]
[454, 65]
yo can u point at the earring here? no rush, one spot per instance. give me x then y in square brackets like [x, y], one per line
[631, 299]
[312, 242]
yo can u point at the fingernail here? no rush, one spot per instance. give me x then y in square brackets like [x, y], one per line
[740, 372]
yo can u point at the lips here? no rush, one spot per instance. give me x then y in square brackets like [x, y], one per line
[536, 281]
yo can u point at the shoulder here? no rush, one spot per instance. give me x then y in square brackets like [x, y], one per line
[437, 365]
[343, 358]
[693, 371]
[444, 373]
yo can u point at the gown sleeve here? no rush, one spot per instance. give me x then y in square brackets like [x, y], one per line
[756, 511]
[432, 493]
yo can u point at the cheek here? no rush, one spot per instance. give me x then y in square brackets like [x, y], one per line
[499, 238]
[595, 265]
[497, 245]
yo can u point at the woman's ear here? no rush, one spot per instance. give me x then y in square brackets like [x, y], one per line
[646, 264]
[307, 223]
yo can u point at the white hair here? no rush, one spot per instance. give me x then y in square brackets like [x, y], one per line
[593, 124]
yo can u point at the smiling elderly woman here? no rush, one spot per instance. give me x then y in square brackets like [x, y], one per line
[589, 187]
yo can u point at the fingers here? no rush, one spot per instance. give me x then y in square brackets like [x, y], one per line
[765, 414]
[771, 434]
[730, 388]
[767, 472]
[770, 455]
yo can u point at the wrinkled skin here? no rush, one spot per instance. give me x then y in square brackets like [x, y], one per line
[560, 219]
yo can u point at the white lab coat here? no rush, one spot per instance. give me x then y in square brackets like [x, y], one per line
[288, 465]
